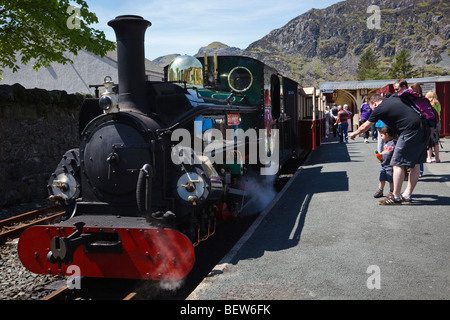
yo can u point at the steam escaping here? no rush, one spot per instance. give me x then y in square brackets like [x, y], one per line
[158, 289]
[171, 285]
[260, 191]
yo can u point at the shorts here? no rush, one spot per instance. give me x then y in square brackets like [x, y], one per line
[434, 135]
[411, 147]
[386, 174]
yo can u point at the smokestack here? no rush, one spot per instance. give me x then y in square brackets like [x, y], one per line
[130, 31]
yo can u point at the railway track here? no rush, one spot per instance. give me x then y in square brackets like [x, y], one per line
[17, 283]
[13, 227]
[94, 289]
[208, 254]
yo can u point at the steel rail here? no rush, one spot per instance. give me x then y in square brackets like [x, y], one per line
[27, 216]
[16, 231]
[66, 293]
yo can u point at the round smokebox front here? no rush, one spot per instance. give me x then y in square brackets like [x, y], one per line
[113, 154]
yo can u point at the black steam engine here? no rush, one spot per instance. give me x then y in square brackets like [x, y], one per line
[138, 193]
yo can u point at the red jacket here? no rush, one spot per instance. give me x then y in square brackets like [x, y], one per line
[342, 116]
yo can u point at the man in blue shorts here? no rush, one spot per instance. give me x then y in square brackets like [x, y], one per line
[410, 150]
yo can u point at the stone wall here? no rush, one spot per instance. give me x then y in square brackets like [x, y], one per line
[36, 128]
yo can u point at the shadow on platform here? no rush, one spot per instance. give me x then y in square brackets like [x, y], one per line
[331, 151]
[291, 209]
[428, 200]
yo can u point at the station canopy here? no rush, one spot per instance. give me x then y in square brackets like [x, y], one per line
[329, 87]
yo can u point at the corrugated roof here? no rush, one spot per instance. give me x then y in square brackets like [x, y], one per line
[374, 84]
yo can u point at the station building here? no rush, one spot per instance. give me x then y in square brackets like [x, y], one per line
[353, 93]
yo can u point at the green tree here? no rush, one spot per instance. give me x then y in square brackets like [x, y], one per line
[402, 67]
[45, 30]
[368, 66]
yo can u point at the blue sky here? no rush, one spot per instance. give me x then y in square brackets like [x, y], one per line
[183, 26]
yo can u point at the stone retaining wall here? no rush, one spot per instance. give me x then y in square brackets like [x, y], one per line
[36, 128]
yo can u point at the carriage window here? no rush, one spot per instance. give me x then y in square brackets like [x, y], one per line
[240, 79]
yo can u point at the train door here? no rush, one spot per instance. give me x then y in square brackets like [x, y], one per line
[278, 114]
[291, 103]
[443, 93]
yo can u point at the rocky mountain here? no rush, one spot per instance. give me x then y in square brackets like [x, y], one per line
[326, 44]
[165, 60]
[220, 48]
[215, 47]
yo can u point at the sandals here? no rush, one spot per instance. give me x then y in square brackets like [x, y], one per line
[390, 200]
[378, 194]
[406, 200]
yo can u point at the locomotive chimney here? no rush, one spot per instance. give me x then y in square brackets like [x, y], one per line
[130, 32]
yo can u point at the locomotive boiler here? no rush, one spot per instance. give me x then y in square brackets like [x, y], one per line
[158, 162]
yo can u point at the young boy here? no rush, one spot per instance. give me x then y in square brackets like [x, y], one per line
[387, 135]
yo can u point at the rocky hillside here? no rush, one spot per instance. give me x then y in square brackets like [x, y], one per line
[325, 45]
[215, 47]
[220, 48]
[165, 60]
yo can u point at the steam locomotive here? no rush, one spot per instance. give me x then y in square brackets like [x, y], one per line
[159, 161]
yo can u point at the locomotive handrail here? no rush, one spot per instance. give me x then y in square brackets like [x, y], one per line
[193, 113]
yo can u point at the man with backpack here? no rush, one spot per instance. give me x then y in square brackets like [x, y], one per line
[414, 132]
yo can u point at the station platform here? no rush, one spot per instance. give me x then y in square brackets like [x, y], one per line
[326, 237]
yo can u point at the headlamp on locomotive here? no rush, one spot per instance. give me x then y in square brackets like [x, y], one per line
[109, 101]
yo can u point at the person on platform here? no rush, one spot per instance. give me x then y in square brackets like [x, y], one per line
[364, 114]
[327, 121]
[435, 132]
[349, 119]
[410, 150]
[400, 85]
[334, 112]
[342, 124]
[387, 134]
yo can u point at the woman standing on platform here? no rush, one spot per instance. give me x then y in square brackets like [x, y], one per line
[435, 132]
